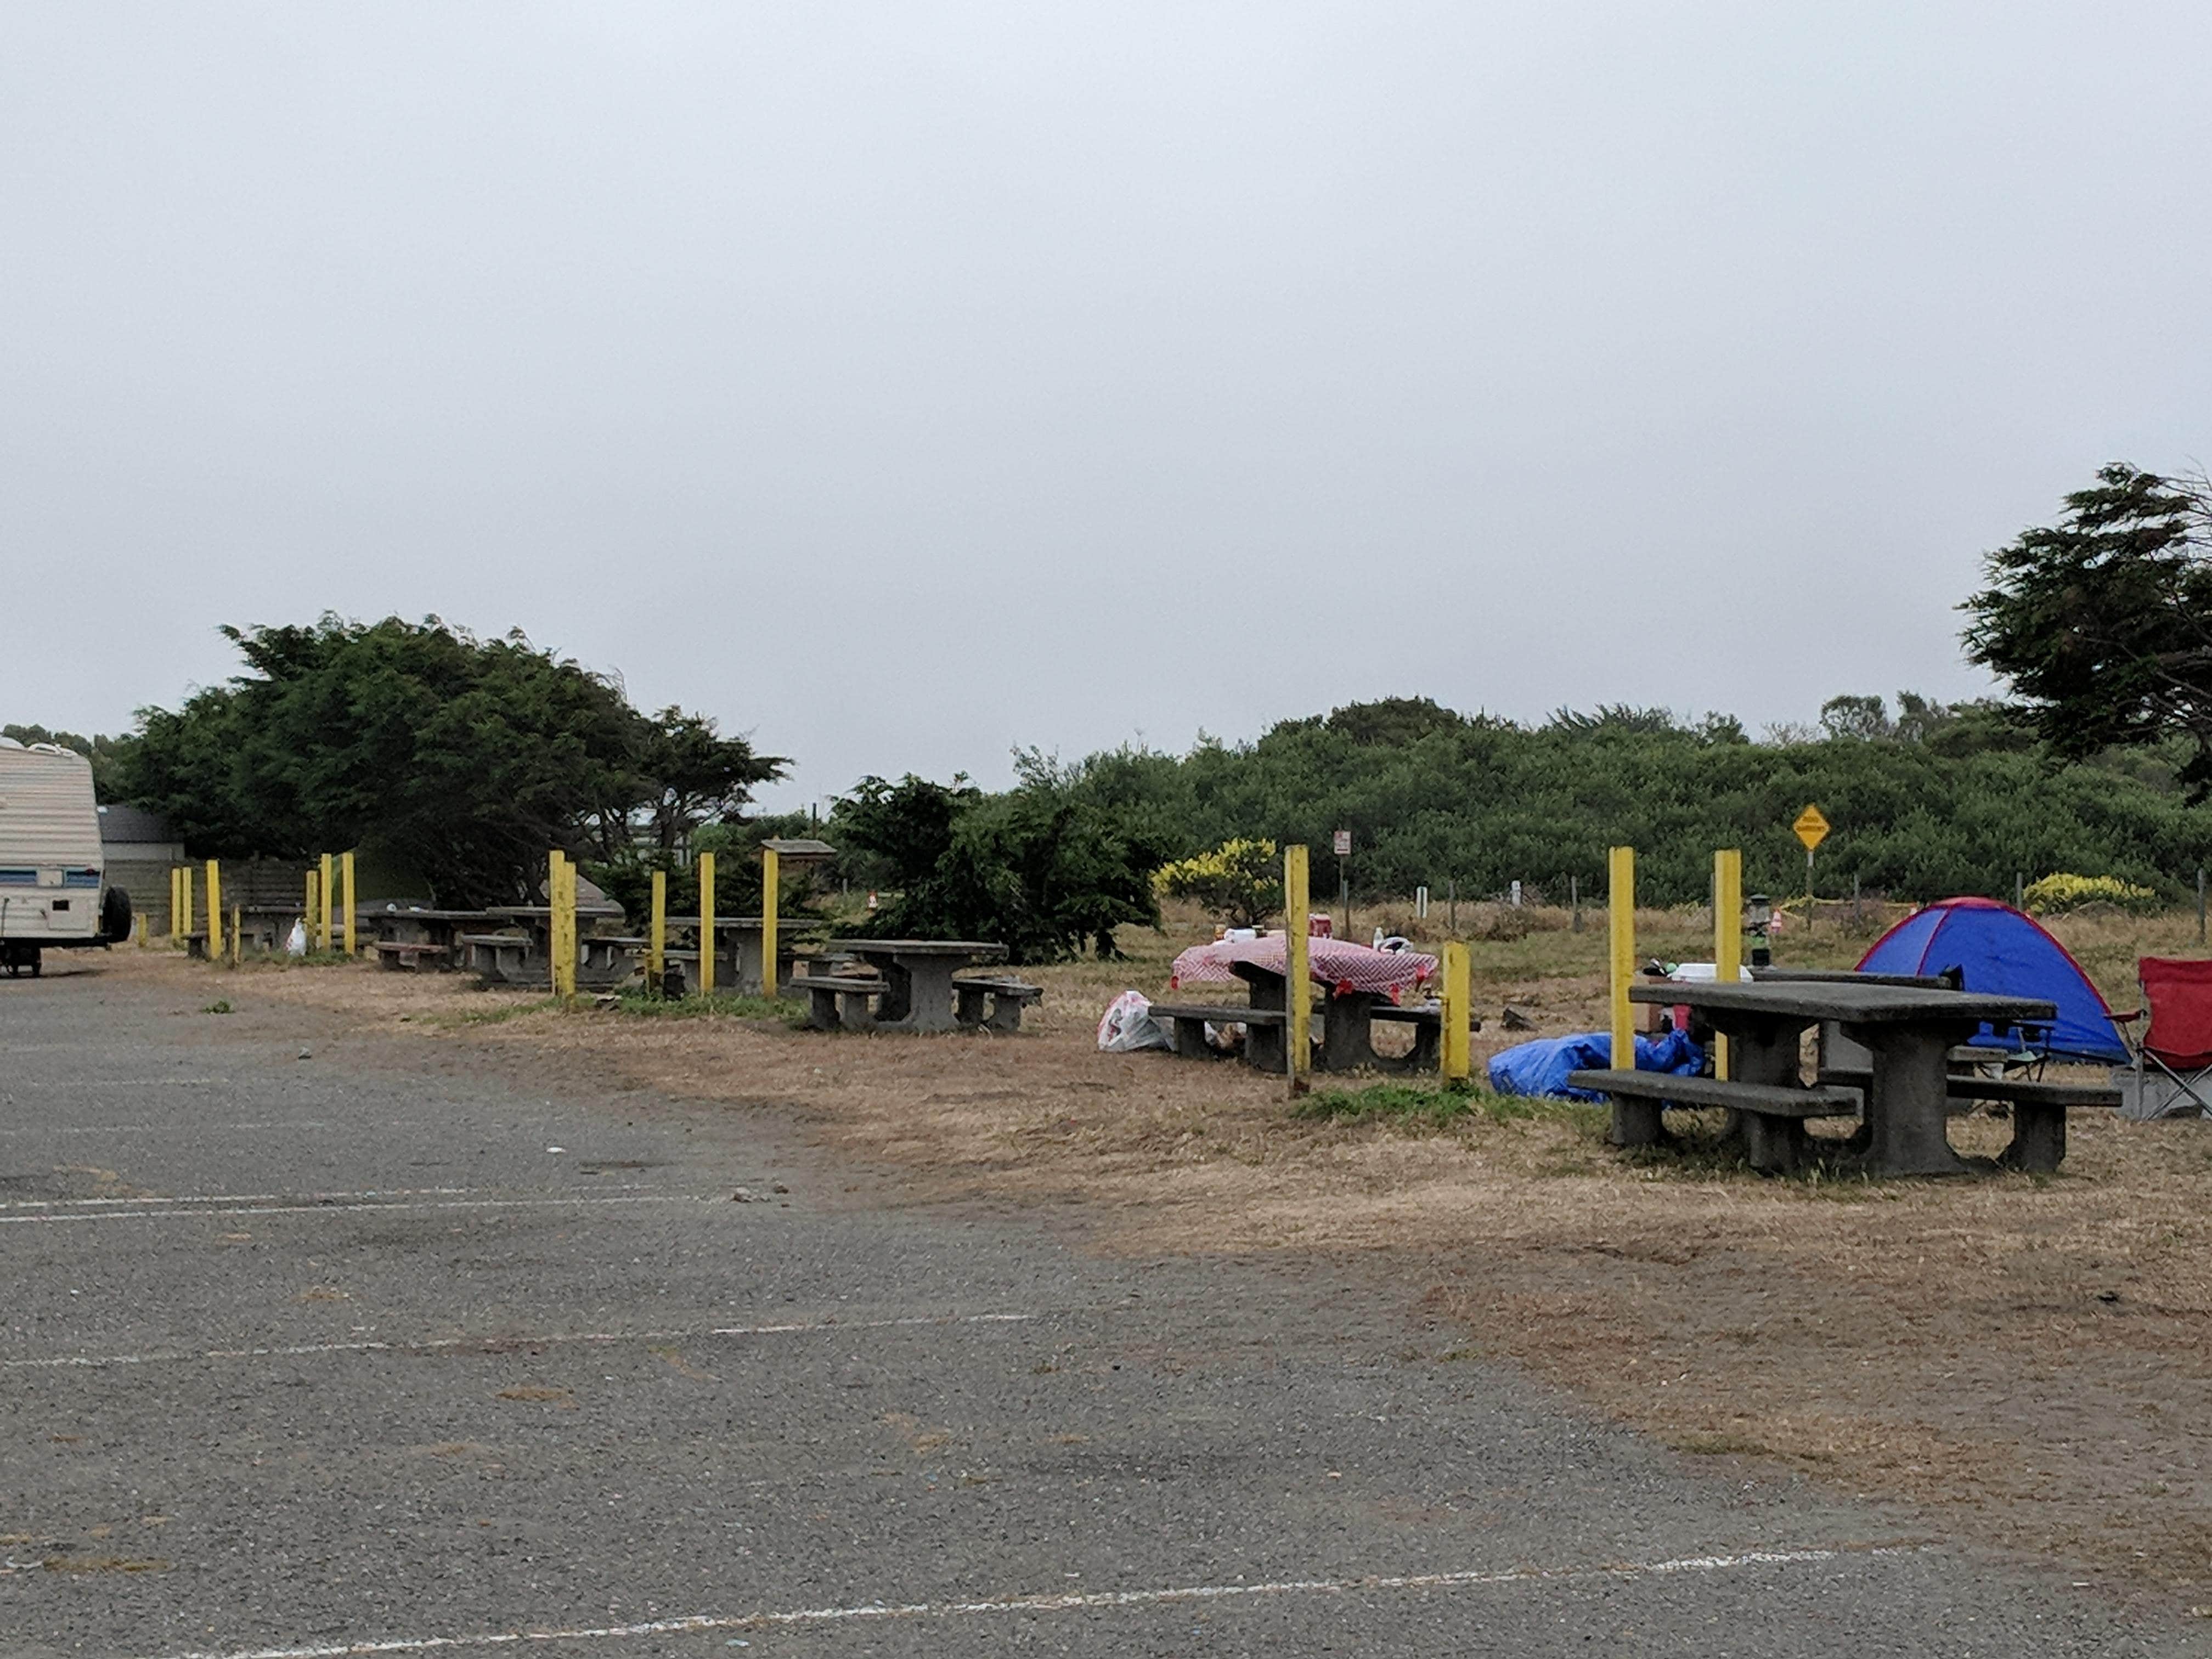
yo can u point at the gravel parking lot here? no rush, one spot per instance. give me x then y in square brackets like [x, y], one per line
[319, 1342]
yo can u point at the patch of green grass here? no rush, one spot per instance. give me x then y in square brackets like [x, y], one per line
[220, 1006]
[495, 1015]
[1722, 1445]
[1434, 1105]
[637, 1001]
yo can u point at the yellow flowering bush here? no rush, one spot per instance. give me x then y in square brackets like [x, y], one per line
[1239, 883]
[2064, 892]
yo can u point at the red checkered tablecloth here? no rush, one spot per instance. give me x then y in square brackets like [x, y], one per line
[1337, 963]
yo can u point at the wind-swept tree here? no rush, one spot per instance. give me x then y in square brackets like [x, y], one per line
[458, 758]
[2103, 622]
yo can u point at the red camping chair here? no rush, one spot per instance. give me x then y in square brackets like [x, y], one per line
[2172, 1071]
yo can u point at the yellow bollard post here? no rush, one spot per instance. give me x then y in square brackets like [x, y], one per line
[307, 914]
[1297, 987]
[656, 935]
[176, 906]
[771, 880]
[184, 885]
[215, 911]
[569, 950]
[1458, 1012]
[237, 936]
[705, 866]
[561, 929]
[327, 889]
[1728, 934]
[346, 905]
[1621, 934]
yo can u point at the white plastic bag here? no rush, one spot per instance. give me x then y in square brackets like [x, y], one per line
[296, 942]
[1128, 1026]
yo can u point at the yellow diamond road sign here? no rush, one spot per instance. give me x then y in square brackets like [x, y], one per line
[1812, 828]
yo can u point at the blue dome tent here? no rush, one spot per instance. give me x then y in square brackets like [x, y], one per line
[2004, 951]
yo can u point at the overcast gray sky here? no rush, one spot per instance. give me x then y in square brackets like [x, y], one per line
[900, 383]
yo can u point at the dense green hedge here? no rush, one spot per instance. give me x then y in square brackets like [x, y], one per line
[1430, 796]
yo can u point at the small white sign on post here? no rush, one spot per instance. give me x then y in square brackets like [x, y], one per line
[1344, 843]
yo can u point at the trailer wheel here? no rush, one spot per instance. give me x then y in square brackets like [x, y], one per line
[115, 914]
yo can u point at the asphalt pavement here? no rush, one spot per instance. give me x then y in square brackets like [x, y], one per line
[319, 1344]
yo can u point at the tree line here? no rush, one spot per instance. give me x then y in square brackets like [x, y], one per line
[460, 760]
[1947, 800]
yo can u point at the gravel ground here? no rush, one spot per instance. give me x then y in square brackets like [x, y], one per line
[317, 1338]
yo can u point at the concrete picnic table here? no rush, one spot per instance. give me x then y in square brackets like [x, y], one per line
[415, 924]
[744, 955]
[1363, 985]
[918, 976]
[1908, 1029]
[527, 959]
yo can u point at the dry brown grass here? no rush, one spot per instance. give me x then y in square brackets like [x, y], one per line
[2027, 1357]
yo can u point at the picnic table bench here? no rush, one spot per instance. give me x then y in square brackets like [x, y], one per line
[1773, 1115]
[410, 955]
[2039, 1113]
[502, 958]
[1347, 1034]
[840, 1002]
[1005, 999]
[418, 926]
[1186, 1023]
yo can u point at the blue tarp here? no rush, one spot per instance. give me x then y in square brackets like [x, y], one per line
[2005, 952]
[1540, 1067]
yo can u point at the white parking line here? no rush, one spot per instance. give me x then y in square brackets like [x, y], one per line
[501, 1344]
[107, 1081]
[150, 1199]
[194, 1129]
[174, 1213]
[1096, 1601]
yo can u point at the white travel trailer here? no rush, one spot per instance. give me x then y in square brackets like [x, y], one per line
[51, 891]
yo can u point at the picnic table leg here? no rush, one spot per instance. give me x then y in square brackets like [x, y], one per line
[1190, 1040]
[1636, 1122]
[1767, 1051]
[1772, 1145]
[1346, 1033]
[1907, 1104]
[747, 978]
[1422, 1056]
[929, 994]
[2039, 1139]
[1265, 1047]
[897, 1000]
